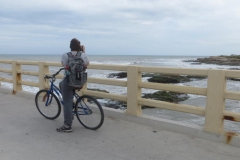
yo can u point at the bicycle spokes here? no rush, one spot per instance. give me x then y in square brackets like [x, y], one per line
[47, 104]
[89, 112]
[49, 99]
[83, 109]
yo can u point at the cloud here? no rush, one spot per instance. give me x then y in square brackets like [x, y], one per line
[141, 26]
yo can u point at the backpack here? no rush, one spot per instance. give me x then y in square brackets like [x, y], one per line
[76, 71]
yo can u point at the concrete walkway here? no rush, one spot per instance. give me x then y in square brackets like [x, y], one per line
[26, 135]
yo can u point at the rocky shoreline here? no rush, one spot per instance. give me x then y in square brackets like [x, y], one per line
[232, 60]
[159, 95]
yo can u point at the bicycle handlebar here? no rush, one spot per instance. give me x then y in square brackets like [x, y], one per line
[58, 72]
[54, 75]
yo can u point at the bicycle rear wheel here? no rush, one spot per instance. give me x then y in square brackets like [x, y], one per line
[89, 112]
[47, 104]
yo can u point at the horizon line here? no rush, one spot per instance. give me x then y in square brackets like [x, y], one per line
[117, 55]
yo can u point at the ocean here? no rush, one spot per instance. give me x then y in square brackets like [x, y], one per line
[141, 60]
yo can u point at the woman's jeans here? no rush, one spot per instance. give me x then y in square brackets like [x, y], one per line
[67, 94]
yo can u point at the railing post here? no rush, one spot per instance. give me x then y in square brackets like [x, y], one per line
[42, 70]
[133, 91]
[16, 77]
[215, 101]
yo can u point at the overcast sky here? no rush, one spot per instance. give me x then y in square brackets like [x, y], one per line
[146, 27]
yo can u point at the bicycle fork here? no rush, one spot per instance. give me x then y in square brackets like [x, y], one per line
[49, 99]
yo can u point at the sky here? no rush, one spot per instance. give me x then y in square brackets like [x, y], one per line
[121, 27]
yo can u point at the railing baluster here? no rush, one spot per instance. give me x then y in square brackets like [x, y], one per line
[133, 91]
[43, 70]
[16, 77]
[215, 101]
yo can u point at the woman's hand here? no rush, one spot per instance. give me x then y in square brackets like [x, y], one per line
[83, 48]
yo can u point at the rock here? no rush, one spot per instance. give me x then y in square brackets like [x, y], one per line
[159, 95]
[195, 77]
[116, 104]
[167, 96]
[196, 63]
[233, 60]
[160, 78]
[233, 79]
[118, 75]
[149, 74]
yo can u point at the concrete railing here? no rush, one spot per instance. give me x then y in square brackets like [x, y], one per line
[216, 92]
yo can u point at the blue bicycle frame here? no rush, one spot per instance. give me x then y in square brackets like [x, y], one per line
[49, 101]
[55, 90]
[85, 110]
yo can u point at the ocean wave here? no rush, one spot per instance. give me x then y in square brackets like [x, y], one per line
[111, 62]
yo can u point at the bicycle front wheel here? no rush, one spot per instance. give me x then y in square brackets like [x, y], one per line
[89, 112]
[47, 104]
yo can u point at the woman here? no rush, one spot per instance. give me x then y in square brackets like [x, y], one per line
[67, 91]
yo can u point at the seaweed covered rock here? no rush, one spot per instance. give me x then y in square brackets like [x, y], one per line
[160, 78]
[116, 104]
[159, 95]
[233, 60]
[117, 75]
[167, 96]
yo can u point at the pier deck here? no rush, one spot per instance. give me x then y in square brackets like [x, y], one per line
[25, 134]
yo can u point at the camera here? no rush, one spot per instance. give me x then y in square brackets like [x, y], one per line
[83, 48]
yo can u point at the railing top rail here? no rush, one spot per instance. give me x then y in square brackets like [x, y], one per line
[174, 71]
[232, 74]
[27, 62]
[57, 64]
[108, 67]
[5, 61]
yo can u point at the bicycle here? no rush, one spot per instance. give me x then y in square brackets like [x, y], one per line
[86, 108]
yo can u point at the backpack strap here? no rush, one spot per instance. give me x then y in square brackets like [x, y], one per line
[69, 54]
[79, 55]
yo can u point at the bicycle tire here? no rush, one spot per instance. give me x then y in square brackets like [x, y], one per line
[89, 113]
[53, 107]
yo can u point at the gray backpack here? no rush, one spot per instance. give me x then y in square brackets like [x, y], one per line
[76, 71]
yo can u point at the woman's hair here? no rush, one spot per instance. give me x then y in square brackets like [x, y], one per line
[75, 45]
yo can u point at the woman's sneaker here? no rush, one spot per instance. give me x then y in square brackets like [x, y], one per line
[64, 129]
